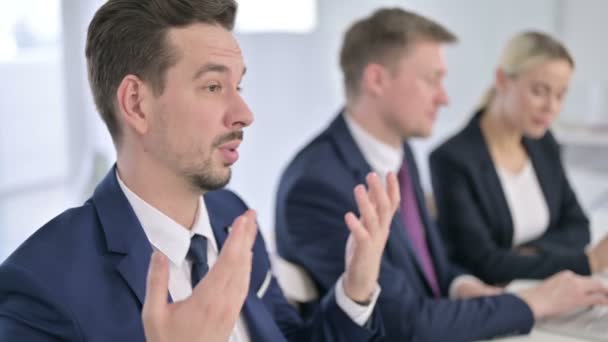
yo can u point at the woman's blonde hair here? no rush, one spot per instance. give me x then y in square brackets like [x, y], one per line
[524, 51]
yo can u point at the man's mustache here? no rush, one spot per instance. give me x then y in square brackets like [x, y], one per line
[236, 135]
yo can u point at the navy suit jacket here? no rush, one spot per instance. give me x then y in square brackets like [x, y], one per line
[82, 277]
[475, 219]
[315, 192]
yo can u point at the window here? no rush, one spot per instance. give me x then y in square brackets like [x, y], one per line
[294, 16]
[33, 144]
[29, 29]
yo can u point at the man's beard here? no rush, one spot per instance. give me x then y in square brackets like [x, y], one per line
[205, 179]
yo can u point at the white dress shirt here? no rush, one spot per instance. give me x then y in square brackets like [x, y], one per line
[173, 240]
[383, 159]
[529, 210]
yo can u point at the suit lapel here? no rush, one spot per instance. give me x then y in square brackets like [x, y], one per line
[260, 323]
[500, 214]
[124, 234]
[134, 269]
[348, 149]
[219, 223]
[221, 217]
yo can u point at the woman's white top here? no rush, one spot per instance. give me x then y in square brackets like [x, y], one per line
[529, 210]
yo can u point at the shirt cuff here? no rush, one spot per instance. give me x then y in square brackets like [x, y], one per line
[360, 314]
[459, 280]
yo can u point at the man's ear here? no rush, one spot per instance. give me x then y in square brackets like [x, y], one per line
[132, 96]
[374, 79]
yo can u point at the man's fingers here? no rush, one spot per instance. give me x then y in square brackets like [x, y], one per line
[237, 246]
[588, 285]
[595, 298]
[236, 239]
[356, 228]
[378, 194]
[157, 289]
[247, 226]
[233, 266]
[367, 210]
[241, 237]
[372, 189]
[238, 258]
[251, 229]
[392, 187]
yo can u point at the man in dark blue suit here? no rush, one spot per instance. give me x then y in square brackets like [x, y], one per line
[165, 77]
[393, 68]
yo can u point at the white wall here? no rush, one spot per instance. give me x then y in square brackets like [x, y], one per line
[582, 26]
[49, 129]
[582, 30]
[32, 150]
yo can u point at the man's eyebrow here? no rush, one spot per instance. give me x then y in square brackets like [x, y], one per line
[542, 84]
[213, 67]
[210, 67]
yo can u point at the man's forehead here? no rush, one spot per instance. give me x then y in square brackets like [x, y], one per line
[229, 57]
[224, 52]
[205, 38]
[427, 55]
[200, 44]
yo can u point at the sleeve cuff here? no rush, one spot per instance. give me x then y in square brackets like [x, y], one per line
[360, 314]
[459, 280]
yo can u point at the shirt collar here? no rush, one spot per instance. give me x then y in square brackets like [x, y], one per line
[382, 158]
[166, 235]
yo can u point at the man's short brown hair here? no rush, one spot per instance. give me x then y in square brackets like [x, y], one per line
[382, 38]
[129, 37]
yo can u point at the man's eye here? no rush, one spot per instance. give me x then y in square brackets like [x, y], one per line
[214, 88]
[539, 90]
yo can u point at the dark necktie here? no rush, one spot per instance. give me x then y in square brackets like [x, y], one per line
[410, 215]
[197, 254]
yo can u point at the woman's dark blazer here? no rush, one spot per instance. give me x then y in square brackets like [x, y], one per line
[475, 219]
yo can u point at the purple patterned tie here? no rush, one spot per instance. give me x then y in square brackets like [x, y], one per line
[410, 215]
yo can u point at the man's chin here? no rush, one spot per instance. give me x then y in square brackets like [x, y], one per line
[426, 134]
[422, 133]
[206, 182]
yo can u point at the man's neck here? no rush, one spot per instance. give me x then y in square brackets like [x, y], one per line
[369, 119]
[161, 189]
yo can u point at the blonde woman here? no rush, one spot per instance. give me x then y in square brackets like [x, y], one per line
[505, 207]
